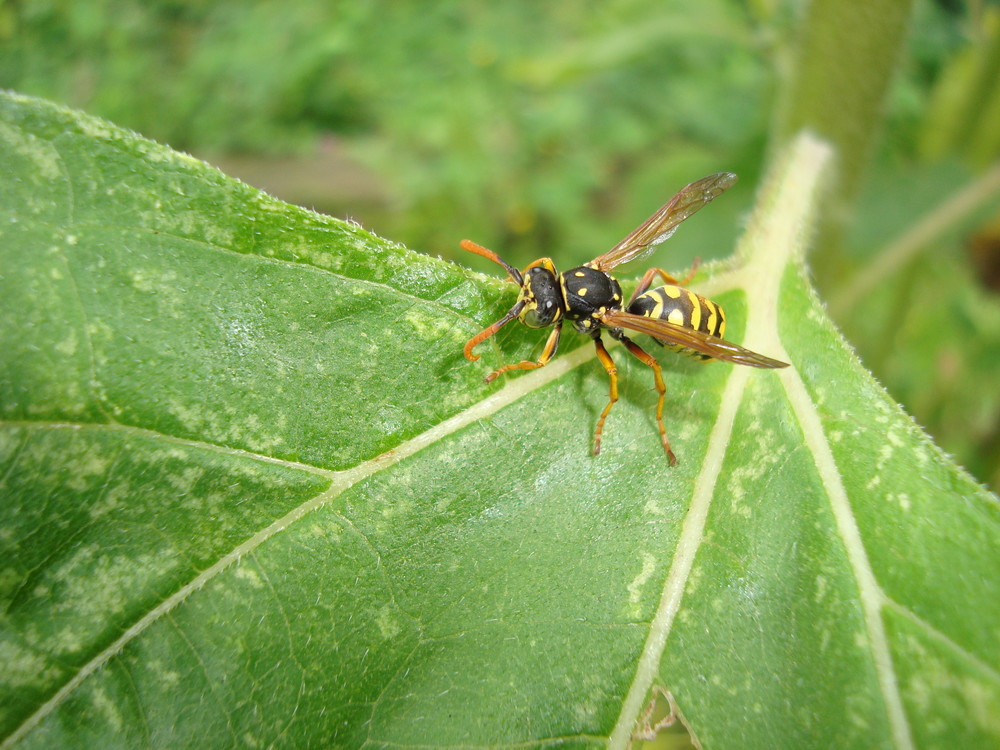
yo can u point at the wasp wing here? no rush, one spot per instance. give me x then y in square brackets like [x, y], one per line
[705, 343]
[663, 223]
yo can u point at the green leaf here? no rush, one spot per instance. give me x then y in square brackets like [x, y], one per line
[254, 495]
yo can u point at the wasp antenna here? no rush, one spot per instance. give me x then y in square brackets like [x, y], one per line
[472, 247]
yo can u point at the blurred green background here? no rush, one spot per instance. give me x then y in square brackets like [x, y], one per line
[554, 128]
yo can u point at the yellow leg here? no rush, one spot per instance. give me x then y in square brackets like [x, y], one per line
[690, 274]
[550, 348]
[661, 389]
[487, 332]
[609, 367]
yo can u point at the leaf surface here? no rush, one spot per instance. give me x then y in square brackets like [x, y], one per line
[252, 493]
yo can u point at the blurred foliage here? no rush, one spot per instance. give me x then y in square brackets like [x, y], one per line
[555, 128]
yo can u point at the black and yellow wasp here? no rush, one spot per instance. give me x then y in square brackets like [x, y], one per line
[591, 298]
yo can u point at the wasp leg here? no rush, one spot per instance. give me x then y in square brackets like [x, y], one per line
[487, 332]
[550, 348]
[647, 279]
[609, 367]
[661, 389]
[690, 274]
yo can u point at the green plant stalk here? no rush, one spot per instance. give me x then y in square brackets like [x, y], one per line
[841, 72]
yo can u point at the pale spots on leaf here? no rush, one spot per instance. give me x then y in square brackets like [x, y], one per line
[315, 256]
[247, 470]
[91, 586]
[885, 453]
[83, 467]
[232, 427]
[387, 421]
[107, 708]
[591, 695]
[442, 504]
[640, 580]
[113, 498]
[432, 329]
[99, 129]
[99, 332]
[768, 451]
[184, 481]
[397, 505]
[331, 532]
[168, 453]
[24, 667]
[821, 588]
[726, 684]
[693, 581]
[169, 678]
[43, 155]
[67, 347]
[940, 688]
[744, 478]
[240, 335]
[71, 401]
[685, 432]
[66, 641]
[388, 625]
[901, 498]
[246, 572]
[153, 280]
[653, 507]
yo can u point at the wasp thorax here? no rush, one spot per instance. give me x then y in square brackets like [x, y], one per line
[589, 293]
[540, 293]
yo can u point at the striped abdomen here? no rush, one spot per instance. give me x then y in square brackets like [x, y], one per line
[684, 308]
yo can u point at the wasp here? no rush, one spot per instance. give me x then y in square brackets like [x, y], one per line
[590, 298]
